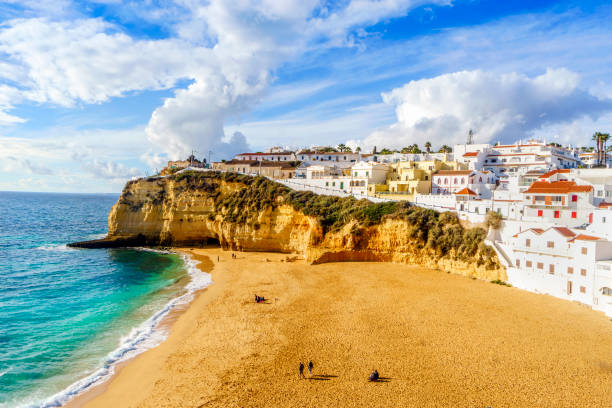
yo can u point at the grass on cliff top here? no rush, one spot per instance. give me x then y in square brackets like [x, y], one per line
[440, 232]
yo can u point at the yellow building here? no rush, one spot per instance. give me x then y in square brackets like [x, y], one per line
[407, 178]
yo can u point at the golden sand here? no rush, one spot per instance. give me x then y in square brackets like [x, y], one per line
[437, 339]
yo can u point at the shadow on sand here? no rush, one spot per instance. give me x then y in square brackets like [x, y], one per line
[322, 377]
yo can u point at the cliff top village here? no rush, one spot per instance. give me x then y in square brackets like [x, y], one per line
[554, 202]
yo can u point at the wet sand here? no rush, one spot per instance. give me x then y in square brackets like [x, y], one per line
[437, 339]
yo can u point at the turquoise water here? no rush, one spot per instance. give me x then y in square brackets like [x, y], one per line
[68, 315]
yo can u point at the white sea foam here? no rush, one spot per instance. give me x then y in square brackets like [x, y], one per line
[58, 247]
[141, 338]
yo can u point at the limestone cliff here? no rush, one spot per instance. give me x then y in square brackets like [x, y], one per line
[254, 214]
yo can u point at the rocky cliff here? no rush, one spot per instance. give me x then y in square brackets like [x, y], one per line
[254, 214]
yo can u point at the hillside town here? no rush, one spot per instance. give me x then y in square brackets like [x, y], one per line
[554, 202]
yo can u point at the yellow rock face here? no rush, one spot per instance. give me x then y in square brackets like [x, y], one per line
[166, 212]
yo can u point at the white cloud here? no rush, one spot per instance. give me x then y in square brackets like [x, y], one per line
[61, 62]
[503, 107]
[110, 170]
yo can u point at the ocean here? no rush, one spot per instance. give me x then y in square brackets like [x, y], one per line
[68, 316]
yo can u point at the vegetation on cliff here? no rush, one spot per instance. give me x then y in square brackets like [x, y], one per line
[440, 233]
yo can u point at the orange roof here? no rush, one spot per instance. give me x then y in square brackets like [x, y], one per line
[556, 187]
[605, 205]
[552, 173]
[536, 230]
[466, 191]
[566, 232]
[471, 154]
[453, 172]
[583, 237]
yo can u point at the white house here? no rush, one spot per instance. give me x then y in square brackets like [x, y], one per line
[564, 263]
[516, 158]
[453, 181]
[279, 156]
[310, 156]
[562, 202]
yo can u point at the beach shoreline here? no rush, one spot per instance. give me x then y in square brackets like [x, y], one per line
[204, 265]
[439, 339]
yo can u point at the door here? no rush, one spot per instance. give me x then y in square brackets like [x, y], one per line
[569, 287]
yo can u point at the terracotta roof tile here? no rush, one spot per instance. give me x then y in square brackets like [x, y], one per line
[583, 237]
[557, 187]
[605, 205]
[566, 232]
[453, 172]
[471, 154]
[466, 191]
[552, 173]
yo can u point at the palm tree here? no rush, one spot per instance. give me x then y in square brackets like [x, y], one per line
[604, 137]
[358, 149]
[598, 142]
[428, 146]
[445, 149]
[405, 150]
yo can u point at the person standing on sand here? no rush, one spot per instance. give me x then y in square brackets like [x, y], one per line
[310, 366]
[302, 370]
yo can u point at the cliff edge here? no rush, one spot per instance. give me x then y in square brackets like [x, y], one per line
[246, 213]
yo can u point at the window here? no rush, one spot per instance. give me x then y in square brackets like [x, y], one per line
[518, 263]
[583, 251]
[540, 265]
[355, 174]
[540, 213]
[528, 264]
[569, 287]
[455, 180]
[570, 270]
[550, 244]
[583, 272]
[582, 289]
[367, 173]
[606, 291]
[462, 180]
[557, 214]
[551, 269]
[574, 214]
[527, 242]
[445, 181]
[574, 198]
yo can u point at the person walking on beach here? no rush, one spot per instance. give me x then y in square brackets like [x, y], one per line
[310, 366]
[302, 370]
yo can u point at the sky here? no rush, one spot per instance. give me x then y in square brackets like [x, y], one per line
[94, 93]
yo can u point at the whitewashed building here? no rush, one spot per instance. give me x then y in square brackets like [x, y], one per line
[453, 181]
[279, 156]
[563, 263]
[561, 202]
[516, 158]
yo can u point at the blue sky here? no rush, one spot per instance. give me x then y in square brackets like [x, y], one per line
[93, 93]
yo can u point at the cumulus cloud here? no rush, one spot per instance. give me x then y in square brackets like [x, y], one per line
[111, 170]
[228, 52]
[88, 60]
[495, 106]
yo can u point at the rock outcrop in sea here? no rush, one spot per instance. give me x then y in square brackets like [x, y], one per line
[246, 213]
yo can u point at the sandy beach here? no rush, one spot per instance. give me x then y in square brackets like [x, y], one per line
[437, 339]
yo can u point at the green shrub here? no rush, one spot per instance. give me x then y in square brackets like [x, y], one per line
[441, 233]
